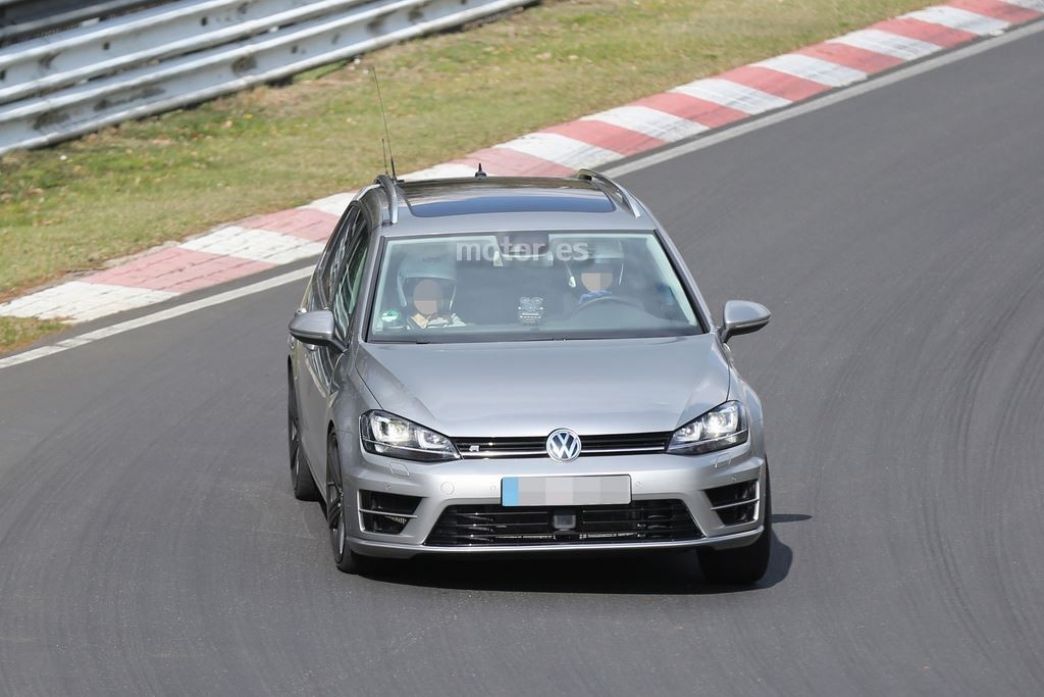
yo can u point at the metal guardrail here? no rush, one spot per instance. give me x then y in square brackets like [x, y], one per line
[67, 84]
[41, 66]
[21, 18]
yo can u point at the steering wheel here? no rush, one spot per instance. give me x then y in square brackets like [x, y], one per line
[605, 301]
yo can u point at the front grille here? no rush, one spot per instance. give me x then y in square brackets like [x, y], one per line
[612, 444]
[639, 521]
[386, 513]
[735, 503]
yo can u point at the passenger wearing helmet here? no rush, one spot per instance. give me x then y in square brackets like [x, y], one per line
[427, 287]
[596, 270]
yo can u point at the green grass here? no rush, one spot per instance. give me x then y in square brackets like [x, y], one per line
[16, 332]
[72, 207]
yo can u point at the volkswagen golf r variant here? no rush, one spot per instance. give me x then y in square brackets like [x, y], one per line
[522, 365]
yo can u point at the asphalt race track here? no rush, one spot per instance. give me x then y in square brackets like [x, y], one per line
[149, 543]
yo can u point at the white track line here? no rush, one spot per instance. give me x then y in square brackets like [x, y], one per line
[162, 315]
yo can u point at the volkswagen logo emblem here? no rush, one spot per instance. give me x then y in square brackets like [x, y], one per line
[563, 445]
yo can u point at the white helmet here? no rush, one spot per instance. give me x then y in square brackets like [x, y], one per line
[416, 267]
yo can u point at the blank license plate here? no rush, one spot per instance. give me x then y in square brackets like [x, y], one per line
[565, 491]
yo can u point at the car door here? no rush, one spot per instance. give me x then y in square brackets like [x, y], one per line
[345, 290]
[313, 390]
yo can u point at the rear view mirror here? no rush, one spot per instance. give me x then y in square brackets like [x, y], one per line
[315, 328]
[742, 317]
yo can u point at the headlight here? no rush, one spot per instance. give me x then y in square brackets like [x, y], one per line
[722, 427]
[394, 436]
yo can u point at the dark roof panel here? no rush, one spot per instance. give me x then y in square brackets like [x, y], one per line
[504, 195]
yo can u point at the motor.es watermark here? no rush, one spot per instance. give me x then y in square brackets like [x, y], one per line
[523, 251]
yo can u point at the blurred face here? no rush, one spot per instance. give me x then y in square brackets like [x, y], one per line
[596, 280]
[428, 297]
[598, 277]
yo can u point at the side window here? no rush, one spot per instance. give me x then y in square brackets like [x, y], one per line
[347, 294]
[333, 257]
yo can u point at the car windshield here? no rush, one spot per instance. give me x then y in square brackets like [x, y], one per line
[528, 286]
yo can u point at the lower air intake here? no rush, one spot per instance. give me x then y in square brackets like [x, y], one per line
[386, 513]
[735, 503]
[639, 521]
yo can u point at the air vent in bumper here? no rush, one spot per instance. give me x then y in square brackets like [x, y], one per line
[640, 521]
[735, 503]
[386, 513]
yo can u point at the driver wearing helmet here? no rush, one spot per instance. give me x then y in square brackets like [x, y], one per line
[427, 287]
[598, 272]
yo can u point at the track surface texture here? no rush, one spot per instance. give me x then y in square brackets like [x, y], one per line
[149, 543]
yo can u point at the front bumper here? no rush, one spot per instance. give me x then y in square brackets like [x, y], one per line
[478, 481]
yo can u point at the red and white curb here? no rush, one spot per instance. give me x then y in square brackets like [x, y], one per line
[267, 241]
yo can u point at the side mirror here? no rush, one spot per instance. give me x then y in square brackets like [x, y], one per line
[742, 317]
[315, 328]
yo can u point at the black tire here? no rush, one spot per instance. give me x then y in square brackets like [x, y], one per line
[346, 560]
[300, 474]
[741, 566]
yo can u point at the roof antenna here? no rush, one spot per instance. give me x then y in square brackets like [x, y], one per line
[384, 153]
[386, 141]
[480, 174]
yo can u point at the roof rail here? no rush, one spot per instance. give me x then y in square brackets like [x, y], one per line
[392, 192]
[597, 177]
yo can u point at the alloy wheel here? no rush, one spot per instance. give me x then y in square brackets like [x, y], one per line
[335, 505]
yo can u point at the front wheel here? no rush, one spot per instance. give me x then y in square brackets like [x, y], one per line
[741, 566]
[346, 560]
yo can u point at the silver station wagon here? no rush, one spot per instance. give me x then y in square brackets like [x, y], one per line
[522, 365]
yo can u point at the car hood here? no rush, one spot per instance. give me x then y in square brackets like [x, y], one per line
[531, 388]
